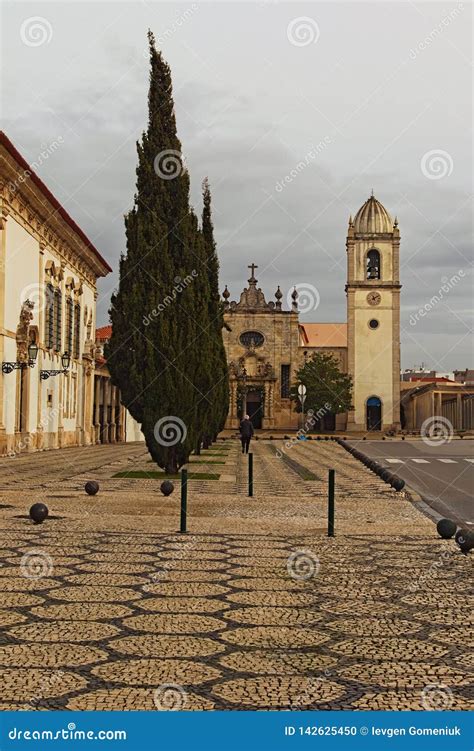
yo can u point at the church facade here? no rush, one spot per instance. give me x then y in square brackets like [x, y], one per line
[266, 345]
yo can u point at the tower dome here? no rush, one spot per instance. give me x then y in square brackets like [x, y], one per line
[372, 218]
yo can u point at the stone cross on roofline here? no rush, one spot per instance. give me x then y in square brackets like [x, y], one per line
[253, 299]
[252, 267]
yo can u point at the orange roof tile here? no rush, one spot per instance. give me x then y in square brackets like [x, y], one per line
[103, 333]
[323, 334]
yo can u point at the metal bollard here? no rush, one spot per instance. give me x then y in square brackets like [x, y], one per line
[331, 484]
[184, 500]
[250, 475]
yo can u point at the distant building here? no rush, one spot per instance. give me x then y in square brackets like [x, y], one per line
[464, 376]
[112, 422]
[266, 344]
[437, 398]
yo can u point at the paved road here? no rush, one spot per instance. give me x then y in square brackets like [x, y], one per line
[443, 475]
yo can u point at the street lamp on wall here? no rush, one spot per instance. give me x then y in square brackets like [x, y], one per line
[9, 367]
[65, 362]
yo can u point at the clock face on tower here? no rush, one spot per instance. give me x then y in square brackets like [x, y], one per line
[373, 298]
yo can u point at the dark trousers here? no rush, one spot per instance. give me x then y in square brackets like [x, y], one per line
[245, 441]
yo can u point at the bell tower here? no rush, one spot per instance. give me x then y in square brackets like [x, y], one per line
[373, 318]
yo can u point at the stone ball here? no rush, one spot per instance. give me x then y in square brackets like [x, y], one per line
[38, 512]
[397, 483]
[446, 528]
[91, 487]
[465, 540]
[166, 487]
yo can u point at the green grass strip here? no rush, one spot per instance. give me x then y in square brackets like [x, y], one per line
[143, 475]
[204, 461]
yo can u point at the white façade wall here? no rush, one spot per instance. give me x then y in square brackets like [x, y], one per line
[56, 403]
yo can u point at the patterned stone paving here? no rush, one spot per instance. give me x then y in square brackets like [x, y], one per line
[107, 607]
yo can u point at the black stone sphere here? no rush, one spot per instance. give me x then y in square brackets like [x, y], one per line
[385, 475]
[465, 540]
[397, 483]
[460, 533]
[38, 512]
[91, 487]
[166, 487]
[446, 528]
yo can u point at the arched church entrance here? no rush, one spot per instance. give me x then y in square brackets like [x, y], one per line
[374, 413]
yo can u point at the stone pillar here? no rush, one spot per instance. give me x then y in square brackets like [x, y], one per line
[105, 409]
[233, 421]
[96, 431]
[459, 415]
[112, 425]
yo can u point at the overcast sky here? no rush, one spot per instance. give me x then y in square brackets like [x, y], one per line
[366, 95]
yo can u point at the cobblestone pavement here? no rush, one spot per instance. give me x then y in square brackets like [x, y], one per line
[105, 606]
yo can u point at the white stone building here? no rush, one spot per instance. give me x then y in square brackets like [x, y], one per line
[48, 276]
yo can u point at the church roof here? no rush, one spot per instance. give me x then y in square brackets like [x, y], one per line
[323, 334]
[372, 218]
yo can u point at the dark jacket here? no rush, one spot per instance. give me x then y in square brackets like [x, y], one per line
[246, 429]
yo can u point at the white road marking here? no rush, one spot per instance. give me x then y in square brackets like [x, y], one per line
[447, 461]
[470, 460]
[395, 461]
[420, 461]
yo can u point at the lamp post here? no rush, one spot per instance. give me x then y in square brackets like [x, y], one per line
[9, 367]
[302, 398]
[65, 362]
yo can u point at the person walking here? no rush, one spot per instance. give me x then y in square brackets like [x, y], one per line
[246, 433]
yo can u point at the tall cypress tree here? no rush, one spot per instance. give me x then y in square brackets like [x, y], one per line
[220, 388]
[153, 353]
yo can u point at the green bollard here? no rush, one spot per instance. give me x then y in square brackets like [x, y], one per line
[331, 483]
[250, 475]
[184, 500]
